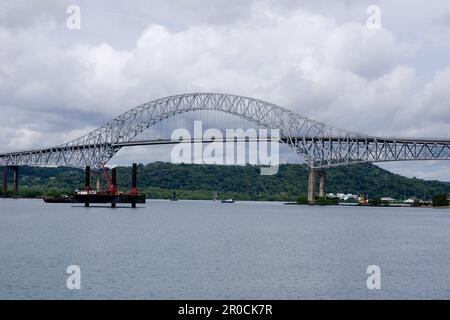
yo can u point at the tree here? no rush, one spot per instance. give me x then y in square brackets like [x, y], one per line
[374, 202]
[323, 201]
[440, 200]
[302, 200]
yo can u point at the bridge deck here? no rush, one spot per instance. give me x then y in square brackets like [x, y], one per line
[281, 140]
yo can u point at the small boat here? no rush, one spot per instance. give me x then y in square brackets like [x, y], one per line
[61, 199]
[227, 201]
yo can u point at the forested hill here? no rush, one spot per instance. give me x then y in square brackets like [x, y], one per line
[159, 180]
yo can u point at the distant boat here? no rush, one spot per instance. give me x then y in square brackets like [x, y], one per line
[174, 197]
[227, 201]
[59, 199]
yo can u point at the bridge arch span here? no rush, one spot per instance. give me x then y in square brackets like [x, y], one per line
[101, 144]
[130, 124]
[320, 145]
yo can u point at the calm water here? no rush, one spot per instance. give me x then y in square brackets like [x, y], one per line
[200, 249]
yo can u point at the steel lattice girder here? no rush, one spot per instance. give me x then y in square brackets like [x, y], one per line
[320, 145]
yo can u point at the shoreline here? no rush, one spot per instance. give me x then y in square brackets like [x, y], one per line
[369, 206]
[274, 201]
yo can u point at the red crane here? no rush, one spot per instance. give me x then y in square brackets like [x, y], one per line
[112, 187]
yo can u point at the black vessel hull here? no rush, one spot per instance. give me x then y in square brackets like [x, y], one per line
[108, 198]
[98, 198]
[58, 200]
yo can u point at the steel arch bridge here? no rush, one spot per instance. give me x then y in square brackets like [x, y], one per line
[320, 145]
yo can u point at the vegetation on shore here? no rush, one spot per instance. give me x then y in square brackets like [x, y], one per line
[189, 181]
[440, 200]
[321, 201]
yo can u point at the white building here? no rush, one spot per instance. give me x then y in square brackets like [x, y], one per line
[342, 196]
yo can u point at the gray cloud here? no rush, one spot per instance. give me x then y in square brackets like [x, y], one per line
[24, 14]
[443, 19]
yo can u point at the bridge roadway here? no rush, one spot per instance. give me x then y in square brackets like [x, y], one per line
[364, 140]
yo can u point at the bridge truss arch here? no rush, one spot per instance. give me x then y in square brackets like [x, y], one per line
[319, 145]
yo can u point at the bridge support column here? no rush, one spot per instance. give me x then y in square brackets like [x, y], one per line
[312, 186]
[322, 184]
[5, 181]
[87, 182]
[16, 179]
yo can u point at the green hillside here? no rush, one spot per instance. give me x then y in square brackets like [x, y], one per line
[159, 180]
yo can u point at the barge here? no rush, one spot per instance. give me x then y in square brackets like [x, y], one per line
[112, 196]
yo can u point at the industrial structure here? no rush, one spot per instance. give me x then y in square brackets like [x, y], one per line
[111, 195]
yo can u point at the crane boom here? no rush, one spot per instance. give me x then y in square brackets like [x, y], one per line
[112, 188]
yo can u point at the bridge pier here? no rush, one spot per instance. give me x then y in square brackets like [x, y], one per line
[313, 173]
[5, 181]
[312, 186]
[322, 184]
[15, 179]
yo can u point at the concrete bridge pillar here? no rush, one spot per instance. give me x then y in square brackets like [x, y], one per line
[312, 185]
[5, 181]
[322, 185]
[16, 179]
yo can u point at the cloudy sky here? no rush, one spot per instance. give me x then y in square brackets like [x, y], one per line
[315, 57]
